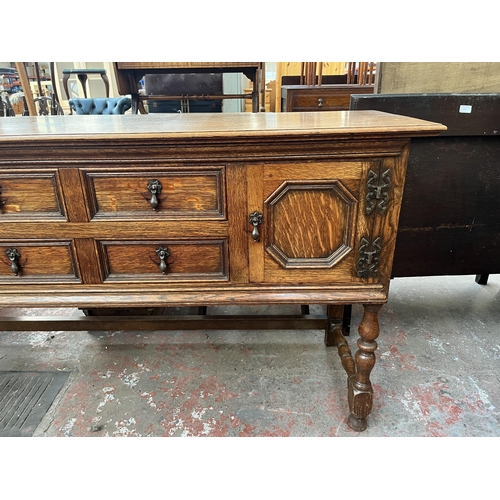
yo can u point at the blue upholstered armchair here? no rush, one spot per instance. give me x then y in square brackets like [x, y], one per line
[101, 106]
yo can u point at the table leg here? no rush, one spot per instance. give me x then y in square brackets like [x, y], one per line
[255, 92]
[105, 79]
[334, 316]
[135, 103]
[83, 80]
[65, 84]
[346, 319]
[360, 387]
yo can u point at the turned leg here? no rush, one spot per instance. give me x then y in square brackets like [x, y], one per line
[360, 387]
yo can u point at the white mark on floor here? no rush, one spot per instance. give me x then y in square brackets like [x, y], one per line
[131, 380]
[68, 427]
[107, 397]
[149, 398]
[122, 427]
[483, 395]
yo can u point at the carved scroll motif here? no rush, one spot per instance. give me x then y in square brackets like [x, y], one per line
[378, 192]
[368, 262]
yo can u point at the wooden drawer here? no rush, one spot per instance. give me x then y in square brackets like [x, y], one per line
[320, 98]
[38, 261]
[129, 194]
[185, 260]
[30, 194]
[321, 102]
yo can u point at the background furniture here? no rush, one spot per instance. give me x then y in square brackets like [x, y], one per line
[82, 75]
[362, 73]
[320, 97]
[267, 100]
[184, 85]
[450, 217]
[25, 84]
[321, 73]
[292, 73]
[181, 210]
[102, 106]
[129, 74]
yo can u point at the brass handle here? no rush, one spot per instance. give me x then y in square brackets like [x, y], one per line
[154, 187]
[320, 103]
[163, 255]
[13, 255]
[255, 218]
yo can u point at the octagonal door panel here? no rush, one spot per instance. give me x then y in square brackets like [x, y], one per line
[310, 221]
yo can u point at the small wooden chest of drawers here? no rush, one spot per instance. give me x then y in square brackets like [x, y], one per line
[170, 210]
[320, 97]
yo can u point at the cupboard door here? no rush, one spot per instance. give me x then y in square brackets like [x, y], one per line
[312, 219]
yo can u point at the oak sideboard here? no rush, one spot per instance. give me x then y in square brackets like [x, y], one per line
[152, 211]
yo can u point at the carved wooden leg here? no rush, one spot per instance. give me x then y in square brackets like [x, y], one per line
[360, 387]
[83, 80]
[65, 84]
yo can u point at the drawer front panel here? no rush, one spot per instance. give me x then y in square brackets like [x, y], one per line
[182, 260]
[321, 102]
[32, 194]
[37, 261]
[160, 194]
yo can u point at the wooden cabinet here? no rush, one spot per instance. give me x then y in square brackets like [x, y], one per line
[320, 97]
[128, 74]
[450, 216]
[153, 211]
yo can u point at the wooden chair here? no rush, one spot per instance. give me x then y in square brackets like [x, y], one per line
[362, 73]
[308, 73]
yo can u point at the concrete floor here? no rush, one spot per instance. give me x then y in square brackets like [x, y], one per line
[437, 373]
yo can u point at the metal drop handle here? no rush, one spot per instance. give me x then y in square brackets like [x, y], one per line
[163, 255]
[13, 255]
[320, 103]
[154, 187]
[255, 218]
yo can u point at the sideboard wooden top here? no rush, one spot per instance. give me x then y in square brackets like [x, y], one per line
[213, 125]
